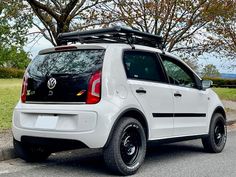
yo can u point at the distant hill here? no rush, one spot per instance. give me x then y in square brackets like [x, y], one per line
[227, 76]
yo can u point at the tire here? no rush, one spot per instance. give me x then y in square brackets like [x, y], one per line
[126, 150]
[30, 153]
[216, 139]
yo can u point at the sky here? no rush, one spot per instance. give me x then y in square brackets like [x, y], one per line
[222, 65]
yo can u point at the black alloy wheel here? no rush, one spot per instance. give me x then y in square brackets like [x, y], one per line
[126, 150]
[130, 145]
[219, 133]
[217, 136]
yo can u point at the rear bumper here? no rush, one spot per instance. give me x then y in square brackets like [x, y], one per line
[88, 124]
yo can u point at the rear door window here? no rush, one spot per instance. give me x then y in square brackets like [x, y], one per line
[142, 65]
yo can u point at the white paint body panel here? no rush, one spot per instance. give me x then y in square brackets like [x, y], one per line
[191, 101]
[92, 124]
[158, 99]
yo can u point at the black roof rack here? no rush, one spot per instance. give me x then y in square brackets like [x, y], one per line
[114, 34]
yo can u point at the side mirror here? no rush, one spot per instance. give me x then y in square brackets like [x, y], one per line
[206, 84]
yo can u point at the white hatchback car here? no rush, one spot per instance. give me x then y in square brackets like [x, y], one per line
[117, 91]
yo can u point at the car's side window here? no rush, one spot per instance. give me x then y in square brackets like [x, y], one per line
[142, 65]
[178, 74]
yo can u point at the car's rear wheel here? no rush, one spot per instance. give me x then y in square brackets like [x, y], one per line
[30, 153]
[216, 139]
[127, 148]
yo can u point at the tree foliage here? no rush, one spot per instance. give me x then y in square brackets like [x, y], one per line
[14, 24]
[189, 27]
[224, 34]
[15, 21]
[186, 25]
[210, 70]
[13, 57]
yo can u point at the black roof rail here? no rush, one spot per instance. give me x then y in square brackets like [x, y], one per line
[114, 34]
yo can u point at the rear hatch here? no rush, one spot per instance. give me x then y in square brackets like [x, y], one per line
[62, 76]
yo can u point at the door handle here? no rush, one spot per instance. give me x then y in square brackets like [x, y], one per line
[177, 94]
[141, 90]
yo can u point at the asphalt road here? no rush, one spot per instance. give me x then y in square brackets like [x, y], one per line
[185, 159]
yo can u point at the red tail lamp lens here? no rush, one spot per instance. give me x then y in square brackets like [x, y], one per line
[94, 88]
[24, 88]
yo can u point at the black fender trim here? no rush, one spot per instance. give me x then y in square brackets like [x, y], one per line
[218, 109]
[129, 113]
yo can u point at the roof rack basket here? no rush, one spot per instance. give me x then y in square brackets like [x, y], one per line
[114, 34]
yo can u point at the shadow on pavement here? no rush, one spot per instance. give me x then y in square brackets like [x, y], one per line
[90, 162]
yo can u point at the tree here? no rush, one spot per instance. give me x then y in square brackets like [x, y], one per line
[186, 25]
[13, 58]
[14, 24]
[210, 70]
[224, 34]
[15, 21]
[63, 16]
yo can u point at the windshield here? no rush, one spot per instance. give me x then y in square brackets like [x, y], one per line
[67, 62]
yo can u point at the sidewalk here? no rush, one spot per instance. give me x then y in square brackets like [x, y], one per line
[230, 107]
[6, 146]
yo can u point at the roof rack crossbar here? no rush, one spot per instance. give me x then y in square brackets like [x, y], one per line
[115, 34]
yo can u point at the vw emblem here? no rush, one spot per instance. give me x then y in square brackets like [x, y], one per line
[52, 83]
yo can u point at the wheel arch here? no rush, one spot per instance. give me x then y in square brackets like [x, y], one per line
[219, 109]
[134, 113]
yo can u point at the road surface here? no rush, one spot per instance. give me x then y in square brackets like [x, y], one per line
[184, 159]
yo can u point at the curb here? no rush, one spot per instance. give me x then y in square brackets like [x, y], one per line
[9, 153]
[230, 122]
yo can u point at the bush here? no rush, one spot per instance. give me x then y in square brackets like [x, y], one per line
[11, 73]
[220, 82]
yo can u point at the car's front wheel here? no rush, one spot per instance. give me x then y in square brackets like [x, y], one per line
[216, 139]
[127, 148]
[30, 153]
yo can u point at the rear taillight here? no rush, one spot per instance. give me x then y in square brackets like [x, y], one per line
[24, 88]
[94, 88]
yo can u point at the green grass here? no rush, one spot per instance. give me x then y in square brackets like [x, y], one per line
[9, 95]
[226, 93]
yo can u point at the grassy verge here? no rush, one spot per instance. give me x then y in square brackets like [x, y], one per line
[9, 95]
[226, 93]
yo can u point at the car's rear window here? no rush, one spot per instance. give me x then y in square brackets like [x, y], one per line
[67, 62]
